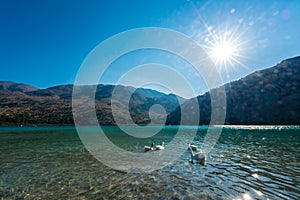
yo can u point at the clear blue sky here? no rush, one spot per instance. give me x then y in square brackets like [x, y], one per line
[43, 43]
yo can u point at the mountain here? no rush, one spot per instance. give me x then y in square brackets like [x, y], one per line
[23, 104]
[16, 87]
[62, 91]
[267, 97]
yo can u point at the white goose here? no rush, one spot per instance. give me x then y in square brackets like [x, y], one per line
[194, 147]
[149, 148]
[160, 147]
[199, 157]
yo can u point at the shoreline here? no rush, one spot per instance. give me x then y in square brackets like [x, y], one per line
[116, 126]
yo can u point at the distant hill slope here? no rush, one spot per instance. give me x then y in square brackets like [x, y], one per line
[53, 105]
[266, 97]
[16, 87]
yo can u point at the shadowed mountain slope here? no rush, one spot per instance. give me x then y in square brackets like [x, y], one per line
[266, 97]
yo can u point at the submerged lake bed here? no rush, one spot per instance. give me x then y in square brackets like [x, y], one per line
[247, 162]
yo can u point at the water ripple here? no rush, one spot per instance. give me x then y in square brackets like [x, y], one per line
[54, 165]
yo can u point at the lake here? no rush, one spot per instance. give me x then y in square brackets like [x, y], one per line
[248, 162]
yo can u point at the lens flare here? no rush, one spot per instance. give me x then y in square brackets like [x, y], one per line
[224, 49]
[223, 52]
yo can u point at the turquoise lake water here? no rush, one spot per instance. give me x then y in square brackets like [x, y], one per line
[251, 162]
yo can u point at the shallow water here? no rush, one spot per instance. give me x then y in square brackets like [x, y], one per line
[246, 163]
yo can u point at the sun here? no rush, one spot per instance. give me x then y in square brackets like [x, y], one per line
[224, 52]
[224, 47]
